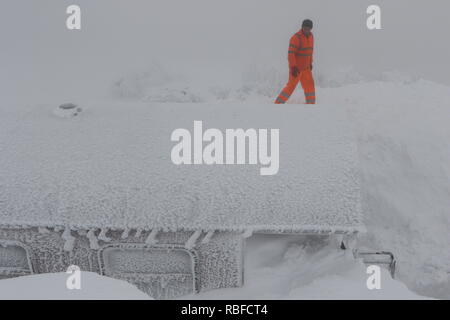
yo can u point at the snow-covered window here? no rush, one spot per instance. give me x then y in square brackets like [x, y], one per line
[161, 271]
[14, 260]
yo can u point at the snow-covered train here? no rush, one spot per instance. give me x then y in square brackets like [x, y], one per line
[97, 188]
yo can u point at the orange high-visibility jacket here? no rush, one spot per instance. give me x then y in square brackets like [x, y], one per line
[300, 53]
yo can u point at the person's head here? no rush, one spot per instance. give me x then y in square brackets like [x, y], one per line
[307, 26]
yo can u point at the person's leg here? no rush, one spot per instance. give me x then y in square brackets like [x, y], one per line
[288, 89]
[307, 81]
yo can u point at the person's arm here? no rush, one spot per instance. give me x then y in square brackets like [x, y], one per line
[294, 45]
[312, 55]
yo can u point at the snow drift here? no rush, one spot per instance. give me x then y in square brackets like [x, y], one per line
[52, 286]
[299, 267]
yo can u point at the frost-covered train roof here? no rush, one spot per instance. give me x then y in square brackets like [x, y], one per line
[110, 167]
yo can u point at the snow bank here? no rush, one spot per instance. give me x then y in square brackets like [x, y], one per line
[160, 83]
[255, 83]
[281, 267]
[110, 167]
[52, 286]
[404, 149]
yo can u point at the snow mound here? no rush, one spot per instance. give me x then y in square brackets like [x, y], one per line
[257, 83]
[135, 85]
[287, 267]
[52, 286]
[404, 152]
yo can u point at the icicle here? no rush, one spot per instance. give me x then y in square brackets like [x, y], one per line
[208, 236]
[102, 236]
[151, 239]
[70, 240]
[138, 232]
[43, 230]
[93, 241]
[247, 233]
[125, 233]
[82, 232]
[191, 241]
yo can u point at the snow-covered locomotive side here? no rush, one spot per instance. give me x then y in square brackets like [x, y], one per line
[166, 269]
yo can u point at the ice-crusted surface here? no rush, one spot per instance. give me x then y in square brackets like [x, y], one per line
[164, 271]
[110, 167]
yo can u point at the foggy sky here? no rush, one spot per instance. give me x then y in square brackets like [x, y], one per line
[38, 53]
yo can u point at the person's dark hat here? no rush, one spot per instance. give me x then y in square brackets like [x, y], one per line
[307, 23]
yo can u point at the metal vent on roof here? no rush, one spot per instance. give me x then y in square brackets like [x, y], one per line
[67, 106]
[68, 110]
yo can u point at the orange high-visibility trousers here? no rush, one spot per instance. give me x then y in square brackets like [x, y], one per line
[306, 79]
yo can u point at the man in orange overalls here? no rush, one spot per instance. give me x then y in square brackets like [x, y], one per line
[300, 57]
